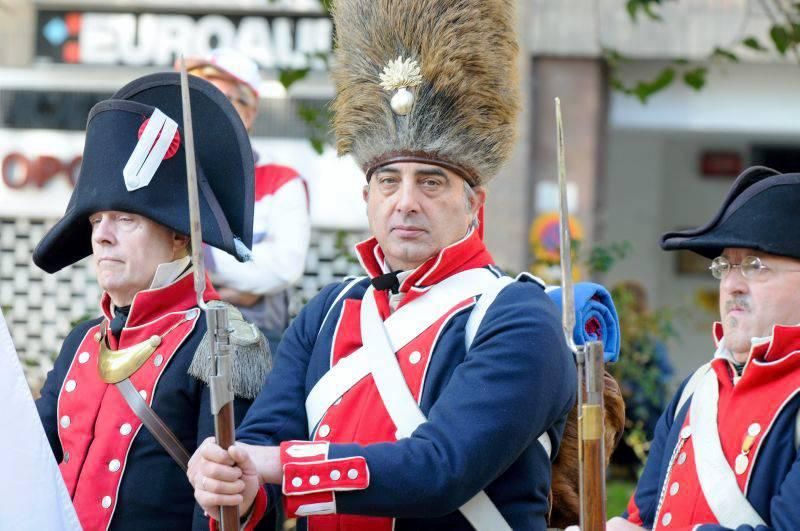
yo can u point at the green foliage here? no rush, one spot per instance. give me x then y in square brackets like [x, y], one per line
[780, 37]
[317, 120]
[722, 53]
[754, 44]
[643, 334]
[696, 78]
[289, 76]
[644, 89]
[344, 247]
[692, 75]
[645, 6]
[638, 370]
[617, 495]
[602, 258]
[784, 37]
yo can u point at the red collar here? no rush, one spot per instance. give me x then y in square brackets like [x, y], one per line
[467, 253]
[784, 341]
[149, 305]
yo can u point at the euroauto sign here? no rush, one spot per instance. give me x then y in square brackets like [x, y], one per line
[102, 37]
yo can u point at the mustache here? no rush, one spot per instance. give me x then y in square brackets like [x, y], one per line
[411, 221]
[737, 301]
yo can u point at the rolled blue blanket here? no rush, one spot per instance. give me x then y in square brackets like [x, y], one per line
[595, 317]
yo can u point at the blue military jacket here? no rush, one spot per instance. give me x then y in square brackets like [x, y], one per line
[485, 407]
[149, 490]
[757, 418]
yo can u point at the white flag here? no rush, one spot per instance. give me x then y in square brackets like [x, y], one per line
[32, 493]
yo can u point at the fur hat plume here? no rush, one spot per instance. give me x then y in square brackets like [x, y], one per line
[431, 81]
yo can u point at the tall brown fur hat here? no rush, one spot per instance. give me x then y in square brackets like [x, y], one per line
[462, 108]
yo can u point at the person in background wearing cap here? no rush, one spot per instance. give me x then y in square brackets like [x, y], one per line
[433, 393]
[724, 454]
[281, 222]
[149, 348]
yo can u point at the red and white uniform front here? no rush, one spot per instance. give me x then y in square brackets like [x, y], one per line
[361, 416]
[96, 428]
[748, 408]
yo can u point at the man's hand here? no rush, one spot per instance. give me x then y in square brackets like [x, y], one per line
[615, 524]
[238, 298]
[268, 462]
[222, 477]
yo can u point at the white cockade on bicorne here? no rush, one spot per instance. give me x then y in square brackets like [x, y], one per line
[400, 75]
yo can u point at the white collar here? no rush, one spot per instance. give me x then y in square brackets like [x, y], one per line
[169, 272]
[722, 352]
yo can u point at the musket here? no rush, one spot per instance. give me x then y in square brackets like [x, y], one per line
[216, 317]
[589, 361]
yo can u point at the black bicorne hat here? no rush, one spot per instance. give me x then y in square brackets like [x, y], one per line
[761, 212]
[128, 166]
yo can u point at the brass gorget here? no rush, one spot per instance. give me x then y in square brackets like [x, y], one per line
[116, 365]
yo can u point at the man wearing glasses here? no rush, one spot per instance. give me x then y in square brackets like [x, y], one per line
[281, 221]
[724, 455]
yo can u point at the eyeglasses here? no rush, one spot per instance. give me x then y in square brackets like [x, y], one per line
[243, 95]
[750, 267]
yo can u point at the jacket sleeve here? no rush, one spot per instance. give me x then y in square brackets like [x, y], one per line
[516, 382]
[47, 403]
[278, 412]
[280, 243]
[643, 503]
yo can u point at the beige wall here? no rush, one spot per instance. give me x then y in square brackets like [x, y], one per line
[689, 28]
[16, 32]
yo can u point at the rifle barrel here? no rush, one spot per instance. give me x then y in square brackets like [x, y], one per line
[592, 425]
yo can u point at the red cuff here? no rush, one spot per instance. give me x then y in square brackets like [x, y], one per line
[310, 478]
[256, 514]
[320, 476]
[634, 516]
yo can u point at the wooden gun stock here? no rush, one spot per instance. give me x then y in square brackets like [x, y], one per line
[591, 425]
[225, 432]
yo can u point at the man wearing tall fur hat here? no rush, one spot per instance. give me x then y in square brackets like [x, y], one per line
[281, 221]
[432, 393]
[147, 352]
[725, 451]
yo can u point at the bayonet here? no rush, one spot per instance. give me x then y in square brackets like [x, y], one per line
[195, 229]
[589, 361]
[567, 290]
[216, 316]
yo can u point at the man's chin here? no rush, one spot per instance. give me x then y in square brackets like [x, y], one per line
[737, 341]
[108, 283]
[409, 256]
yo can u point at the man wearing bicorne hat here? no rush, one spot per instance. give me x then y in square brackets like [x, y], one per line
[431, 393]
[147, 355]
[724, 455]
[281, 221]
